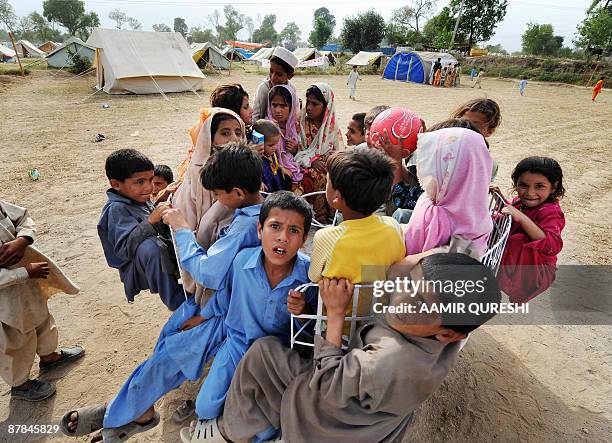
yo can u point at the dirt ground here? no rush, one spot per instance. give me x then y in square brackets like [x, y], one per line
[522, 383]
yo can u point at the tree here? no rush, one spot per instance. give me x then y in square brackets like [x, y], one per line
[25, 28]
[7, 15]
[234, 22]
[250, 27]
[43, 29]
[200, 35]
[496, 49]
[161, 27]
[119, 17]
[266, 32]
[180, 26]
[134, 24]
[479, 18]
[596, 30]
[71, 15]
[323, 24]
[365, 31]
[407, 18]
[88, 23]
[290, 35]
[215, 21]
[438, 31]
[539, 40]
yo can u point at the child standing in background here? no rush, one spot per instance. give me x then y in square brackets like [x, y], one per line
[523, 85]
[478, 79]
[529, 262]
[352, 82]
[598, 87]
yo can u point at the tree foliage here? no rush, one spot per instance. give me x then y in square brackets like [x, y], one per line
[266, 32]
[119, 17]
[71, 15]
[7, 15]
[250, 27]
[323, 24]
[540, 40]
[42, 29]
[479, 18]
[404, 25]
[180, 26]
[438, 31]
[161, 27]
[199, 35]
[364, 31]
[596, 29]
[290, 35]
[234, 22]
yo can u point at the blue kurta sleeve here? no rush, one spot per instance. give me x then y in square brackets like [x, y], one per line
[218, 305]
[125, 232]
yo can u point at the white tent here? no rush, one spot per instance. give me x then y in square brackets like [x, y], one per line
[364, 58]
[305, 54]
[6, 53]
[63, 55]
[262, 54]
[207, 53]
[142, 62]
[27, 49]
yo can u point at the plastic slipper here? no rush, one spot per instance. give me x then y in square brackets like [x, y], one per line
[121, 434]
[68, 356]
[184, 411]
[203, 431]
[90, 419]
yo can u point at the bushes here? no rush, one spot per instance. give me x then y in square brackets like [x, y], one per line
[79, 64]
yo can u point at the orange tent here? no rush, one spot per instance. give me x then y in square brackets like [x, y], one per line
[245, 45]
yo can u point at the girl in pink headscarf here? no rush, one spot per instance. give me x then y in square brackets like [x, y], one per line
[454, 170]
[283, 107]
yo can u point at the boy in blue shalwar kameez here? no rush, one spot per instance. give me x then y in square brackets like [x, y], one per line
[130, 227]
[244, 308]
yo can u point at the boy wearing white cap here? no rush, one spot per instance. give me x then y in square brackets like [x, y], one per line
[282, 66]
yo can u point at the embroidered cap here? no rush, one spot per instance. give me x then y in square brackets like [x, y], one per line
[286, 56]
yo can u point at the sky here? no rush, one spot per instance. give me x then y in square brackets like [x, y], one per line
[564, 15]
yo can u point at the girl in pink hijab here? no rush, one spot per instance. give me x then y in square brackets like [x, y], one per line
[454, 170]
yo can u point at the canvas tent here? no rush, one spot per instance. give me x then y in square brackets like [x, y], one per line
[207, 53]
[63, 56]
[141, 62]
[262, 54]
[236, 54]
[27, 49]
[306, 54]
[49, 46]
[364, 58]
[416, 66]
[6, 54]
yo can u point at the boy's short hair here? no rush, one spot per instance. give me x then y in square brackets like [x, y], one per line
[286, 200]
[286, 66]
[164, 172]
[360, 118]
[267, 128]
[363, 177]
[234, 166]
[459, 269]
[373, 113]
[124, 163]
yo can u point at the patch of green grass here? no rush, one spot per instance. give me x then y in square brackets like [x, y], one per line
[12, 69]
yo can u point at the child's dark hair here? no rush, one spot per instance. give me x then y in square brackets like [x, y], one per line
[359, 118]
[235, 166]
[316, 93]
[546, 166]
[216, 121]
[363, 177]
[280, 91]
[124, 163]
[267, 128]
[457, 123]
[372, 114]
[229, 97]
[286, 66]
[288, 201]
[458, 278]
[486, 106]
[164, 172]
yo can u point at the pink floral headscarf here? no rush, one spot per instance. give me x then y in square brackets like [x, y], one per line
[454, 170]
[285, 158]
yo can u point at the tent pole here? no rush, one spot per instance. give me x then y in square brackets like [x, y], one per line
[16, 52]
[231, 57]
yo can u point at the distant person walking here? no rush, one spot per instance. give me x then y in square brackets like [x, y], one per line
[478, 79]
[352, 82]
[598, 87]
[522, 85]
[473, 74]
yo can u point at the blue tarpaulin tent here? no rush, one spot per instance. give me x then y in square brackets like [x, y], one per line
[415, 66]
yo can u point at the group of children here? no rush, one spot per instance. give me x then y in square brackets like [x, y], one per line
[237, 250]
[447, 76]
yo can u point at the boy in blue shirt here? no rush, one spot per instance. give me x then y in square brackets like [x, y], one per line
[131, 231]
[193, 335]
